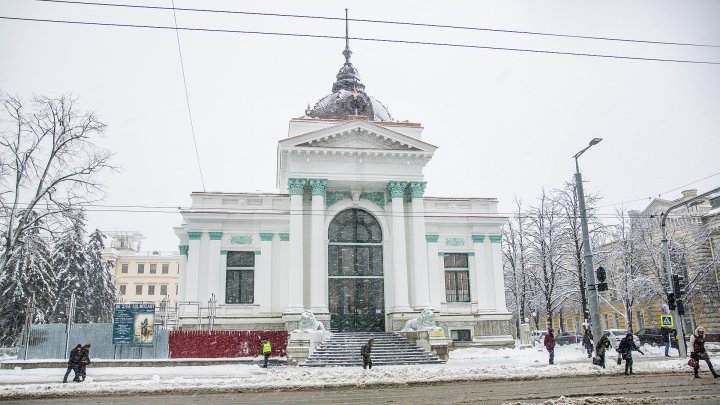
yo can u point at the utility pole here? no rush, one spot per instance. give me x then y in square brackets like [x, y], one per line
[589, 271]
[668, 265]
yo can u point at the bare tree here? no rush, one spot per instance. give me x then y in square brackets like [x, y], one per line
[48, 165]
[514, 252]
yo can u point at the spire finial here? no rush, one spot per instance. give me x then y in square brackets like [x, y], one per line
[347, 52]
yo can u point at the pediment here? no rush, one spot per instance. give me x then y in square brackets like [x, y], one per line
[357, 135]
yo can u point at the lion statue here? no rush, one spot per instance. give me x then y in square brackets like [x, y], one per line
[309, 323]
[425, 321]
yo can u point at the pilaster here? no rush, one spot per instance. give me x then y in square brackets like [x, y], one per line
[483, 274]
[263, 273]
[497, 269]
[436, 277]
[318, 263]
[399, 260]
[182, 276]
[420, 274]
[193, 266]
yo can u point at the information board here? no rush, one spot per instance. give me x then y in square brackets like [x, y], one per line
[133, 324]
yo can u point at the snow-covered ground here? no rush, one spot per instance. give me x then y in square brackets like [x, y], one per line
[464, 364]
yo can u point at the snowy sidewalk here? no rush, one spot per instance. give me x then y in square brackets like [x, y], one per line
[464, 364]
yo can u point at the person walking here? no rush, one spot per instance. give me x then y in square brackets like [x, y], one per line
[550, 345]
[366, 352]
[665, 334]
[588, 342]
[602, 345]
[626, 348]
[266, 349]
[84, 361]
[74, 364]
[697, 342]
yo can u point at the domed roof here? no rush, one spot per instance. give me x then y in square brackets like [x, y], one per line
[348, 97]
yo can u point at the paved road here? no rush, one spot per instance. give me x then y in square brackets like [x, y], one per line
[666, 389]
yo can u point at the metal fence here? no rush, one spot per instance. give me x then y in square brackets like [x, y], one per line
[48, 341]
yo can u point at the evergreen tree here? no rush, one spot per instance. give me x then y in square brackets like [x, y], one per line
[29, 272]
[101, 289]
[69, 261]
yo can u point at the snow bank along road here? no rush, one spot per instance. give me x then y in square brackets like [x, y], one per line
[605, 389]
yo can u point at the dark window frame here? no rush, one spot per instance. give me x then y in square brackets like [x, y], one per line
[240, 277]
[457, 276]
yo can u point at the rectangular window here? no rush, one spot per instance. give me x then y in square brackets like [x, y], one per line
[177, 289]
[124, 268]
[240, 281]
[123, 289]
[461, 335]
[640, 320]
[151, 290]
[163, 290]
[457, 277]
[617, 321]
[153, 268]
[141, 268]
[165, 268]
[138, 289]
[607, 322]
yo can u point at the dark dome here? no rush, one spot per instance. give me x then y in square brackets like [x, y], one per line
[348, 98]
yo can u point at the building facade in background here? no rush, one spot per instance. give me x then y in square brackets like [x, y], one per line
[142, 276]
[351, 235]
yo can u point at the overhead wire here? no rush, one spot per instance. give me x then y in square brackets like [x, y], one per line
[406, 23]
[382, 40]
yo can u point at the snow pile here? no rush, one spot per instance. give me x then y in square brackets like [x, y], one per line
[464, 365]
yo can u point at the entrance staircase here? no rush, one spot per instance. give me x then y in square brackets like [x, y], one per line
[342, 349]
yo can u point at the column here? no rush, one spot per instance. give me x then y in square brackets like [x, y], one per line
[193, 266]
[436, 278]
[318, 279]
[296, 188]
[474, 292]
[213, 266]
[497, 270]
[263, 273]
[222, 288]
[420, 275]
[485, 288]
[182, 277]
[399, 260]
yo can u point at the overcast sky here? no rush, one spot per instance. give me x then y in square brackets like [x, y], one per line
[506, 123]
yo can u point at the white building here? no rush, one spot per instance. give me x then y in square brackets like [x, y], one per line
[350, 235]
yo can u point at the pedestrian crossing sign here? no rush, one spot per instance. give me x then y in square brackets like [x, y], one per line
[666, 321]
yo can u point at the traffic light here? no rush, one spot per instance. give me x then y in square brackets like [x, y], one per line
[671, 301]
[680, 307]
[600, 274]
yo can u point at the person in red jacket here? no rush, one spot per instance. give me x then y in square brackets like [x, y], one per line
[550, 344]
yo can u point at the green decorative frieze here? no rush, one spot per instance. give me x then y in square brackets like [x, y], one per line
[397, 189]
[332, 197]
[194, 235]
[223, 251]
[478, 238]
[257, 253]
[454, 241]
[471, 254]
[432, 238]
[296, 186]
[238, 239]
[495, 238]
[215, 235]
[266, 237]
[377, 197]
[284, 237]
[183, 249]
[417, 189]
[318, 186]
[441, 254]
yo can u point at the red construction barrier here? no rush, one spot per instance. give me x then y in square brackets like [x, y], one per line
[225, 343]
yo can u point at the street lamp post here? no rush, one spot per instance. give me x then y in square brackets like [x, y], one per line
[668, 268]
[589, 273]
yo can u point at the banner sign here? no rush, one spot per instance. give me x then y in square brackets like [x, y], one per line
[133, 324]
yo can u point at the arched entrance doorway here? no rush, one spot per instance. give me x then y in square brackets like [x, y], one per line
[355, 273]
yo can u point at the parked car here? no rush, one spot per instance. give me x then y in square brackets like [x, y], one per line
[538, 336]
[616, 335]
[567, 338]
[653, 337]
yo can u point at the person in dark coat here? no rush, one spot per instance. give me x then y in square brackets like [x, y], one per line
[665, 334]
[74, 364]
[600, 349]
[588, 342]
[697, 341]
[366, 353]
[550, 345]
[84, 361]
[626, 348]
